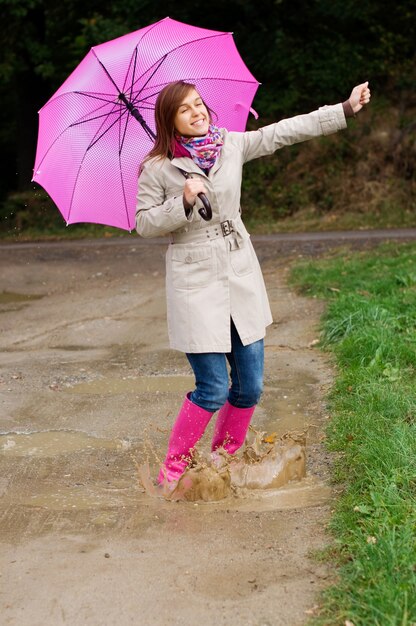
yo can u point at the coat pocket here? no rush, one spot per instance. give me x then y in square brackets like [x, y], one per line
[241, 260]
[191, 266]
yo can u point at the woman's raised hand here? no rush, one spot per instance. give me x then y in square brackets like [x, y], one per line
[192, 187]
[360, 96]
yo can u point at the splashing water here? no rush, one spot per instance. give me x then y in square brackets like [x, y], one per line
[265, 463]
[270, 463]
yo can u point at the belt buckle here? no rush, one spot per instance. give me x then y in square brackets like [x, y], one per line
[226, 227]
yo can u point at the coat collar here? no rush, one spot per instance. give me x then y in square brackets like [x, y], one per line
[187, 164]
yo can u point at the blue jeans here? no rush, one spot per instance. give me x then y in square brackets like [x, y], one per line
[211, 375]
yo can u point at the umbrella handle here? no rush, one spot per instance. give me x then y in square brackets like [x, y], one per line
[206, 211]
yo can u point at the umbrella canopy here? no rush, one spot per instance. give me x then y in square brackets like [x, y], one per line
[96, 129]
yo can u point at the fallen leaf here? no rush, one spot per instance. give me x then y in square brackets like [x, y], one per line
[270, 438]
[362, 508]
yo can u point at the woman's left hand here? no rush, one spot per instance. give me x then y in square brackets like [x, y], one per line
[360, 96]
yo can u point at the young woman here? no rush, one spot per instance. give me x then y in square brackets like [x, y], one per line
[217, 304]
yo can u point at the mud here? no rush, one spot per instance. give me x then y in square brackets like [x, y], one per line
[268, 463]
[87, 381]
[264, 462]
[51, 443]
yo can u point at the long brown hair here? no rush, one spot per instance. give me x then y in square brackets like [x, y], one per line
[167, 105]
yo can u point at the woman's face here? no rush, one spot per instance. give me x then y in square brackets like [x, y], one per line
[192, 117]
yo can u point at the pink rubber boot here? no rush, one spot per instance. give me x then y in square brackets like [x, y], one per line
[186, 432]
[231, 427]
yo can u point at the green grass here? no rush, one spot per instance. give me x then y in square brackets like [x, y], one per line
[60, 232]
[370, 327]
[310, 220]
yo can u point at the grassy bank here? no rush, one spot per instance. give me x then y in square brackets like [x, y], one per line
[33, 220]
[370, 327]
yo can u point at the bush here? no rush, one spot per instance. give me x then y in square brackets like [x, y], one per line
[26, 209]
[33, 215]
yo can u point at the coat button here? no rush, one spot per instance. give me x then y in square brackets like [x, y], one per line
[188, 259]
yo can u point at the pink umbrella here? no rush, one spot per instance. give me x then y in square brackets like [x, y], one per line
[97, 128]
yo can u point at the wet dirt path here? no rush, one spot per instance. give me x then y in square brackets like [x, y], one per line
[86, 379]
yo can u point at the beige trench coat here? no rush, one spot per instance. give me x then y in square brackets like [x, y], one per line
[212, 272]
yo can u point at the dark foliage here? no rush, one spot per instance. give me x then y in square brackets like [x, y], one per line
[305, 54]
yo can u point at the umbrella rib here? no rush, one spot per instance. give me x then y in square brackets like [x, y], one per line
[124, 192]
[121, 141]
[97, 138]
[135, 100]
[162, 60]
[96, 97]
[90, 119]
[217, 34]
[70, 126]
[186, 43]
[97, 117]
[134, 73]
[113, 81]
[120, 165]
[50, 148]
[133, 60]
[149, 108]
[147, 81]
[216, 78]
[106, 71]
[123, 111]
[74, 187]
[151, 95]
[120, 111]
[79, 171]
[67, 128]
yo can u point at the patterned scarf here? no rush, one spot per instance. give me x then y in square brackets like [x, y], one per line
[203, 150]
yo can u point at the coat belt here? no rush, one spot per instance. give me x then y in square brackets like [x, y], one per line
[232, 230]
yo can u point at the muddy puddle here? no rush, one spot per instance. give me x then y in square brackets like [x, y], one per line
[52, 443]
[268, 474]
[285, 405]
[82, 498]
[142, 384]
[308, 492]
[11, 301]
[277, 481]
[288, 403]
[93, 482]
[305, 493]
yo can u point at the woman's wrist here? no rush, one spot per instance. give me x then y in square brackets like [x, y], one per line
[188, 207]
[348, 110]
